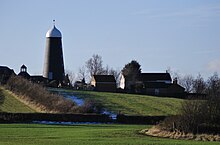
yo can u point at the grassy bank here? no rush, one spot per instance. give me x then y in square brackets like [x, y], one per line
[38, 97]
[133, 104]
[32, 134]
[125, 103]
[12, 104]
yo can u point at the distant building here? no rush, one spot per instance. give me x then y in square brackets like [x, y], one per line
[156, 77]
[104, 83]
[39, 79]
[5, 74]
[53, 63]
[158, 84]
[23, 72]
[53, 73]
[35, 78]
[80, 85]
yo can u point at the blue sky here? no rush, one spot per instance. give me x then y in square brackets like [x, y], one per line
[182, 35]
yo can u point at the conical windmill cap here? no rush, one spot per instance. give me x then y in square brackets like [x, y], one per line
[53, 32]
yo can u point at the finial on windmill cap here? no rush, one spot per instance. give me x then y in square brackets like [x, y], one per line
[53, 32]
[54, 21]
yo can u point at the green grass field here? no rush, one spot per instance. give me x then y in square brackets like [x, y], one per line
[133, 104]
[12, 104]
[129, 104]
[105, 134]
[101, 134]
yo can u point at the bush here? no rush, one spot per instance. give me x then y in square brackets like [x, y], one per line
[91, 106]
[189, 120]
[195, 114]
[39, 96]
[198, 115]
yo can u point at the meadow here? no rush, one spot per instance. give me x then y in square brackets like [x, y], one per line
[129, 104]
[132, 104]
[12, 104]
[92, 134]
[99, 134]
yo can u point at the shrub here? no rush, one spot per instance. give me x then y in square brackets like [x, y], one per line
[39, 96]
[46, 101]
[199, 115]
[194, 117]
[91, 106]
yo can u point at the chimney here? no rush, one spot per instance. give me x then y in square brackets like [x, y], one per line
[175, 81]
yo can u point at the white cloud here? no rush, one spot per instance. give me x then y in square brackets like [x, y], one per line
[214, 65]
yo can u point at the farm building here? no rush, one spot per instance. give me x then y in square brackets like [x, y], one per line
[104, 83]
[37, 79]
[5, 74]
[159, 84]
[23, 72]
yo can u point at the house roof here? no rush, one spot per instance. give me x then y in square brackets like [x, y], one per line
[6, 70]
[156, 85]
[159, 85]
[38, 78]
[24, 74]
[23, 66]
[146, 77]
[104, 78]
[4, 67]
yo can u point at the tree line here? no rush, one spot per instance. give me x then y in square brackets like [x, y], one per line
[94, 66]
[198, 116]
[198, 84]
[132, 70]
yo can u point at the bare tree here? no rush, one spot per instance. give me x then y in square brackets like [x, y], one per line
[213, 93]
[82, 73]
[94, 65]
[174, 74]
[111, 71]
[115, 73]
[199, 115]
[106, 70]
[71, 75]
[199, 85]
[187, 82]
[213, 86]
